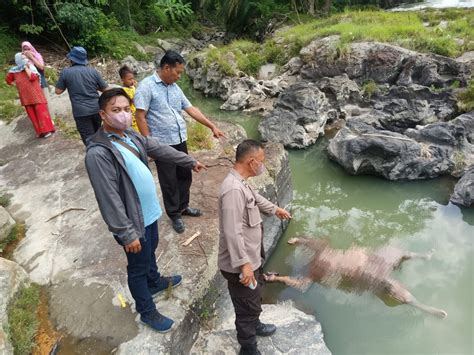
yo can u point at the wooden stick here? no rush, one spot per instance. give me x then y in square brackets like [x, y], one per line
[207, 263]
[66, 210]
[190, 239]
[168, 263]
[159, 256]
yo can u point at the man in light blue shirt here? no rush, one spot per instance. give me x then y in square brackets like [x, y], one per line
[116, 161]
[159, 102]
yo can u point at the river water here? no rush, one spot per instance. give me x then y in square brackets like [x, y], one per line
[372, 212]
[436, 4]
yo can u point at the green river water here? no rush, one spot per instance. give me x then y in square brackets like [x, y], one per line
[370, 212]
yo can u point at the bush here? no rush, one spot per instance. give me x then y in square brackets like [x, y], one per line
[8, 46]
[86, 26]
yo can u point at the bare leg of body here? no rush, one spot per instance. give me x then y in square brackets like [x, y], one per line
[396, 256]
[401, 294]
[301, 283]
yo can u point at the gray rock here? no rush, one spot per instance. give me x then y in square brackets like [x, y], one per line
[237, 101]
[380, 62]
[297, 333]
[267, 71]
[139, 48]
[276, 186]
[405, 107]
[6, 223]
[293, 66]
[139, 67]
[166, 45]
[12, 278]
[340, 90]
[361, 149]
[464, 190]
[298, 117]
[467, 59]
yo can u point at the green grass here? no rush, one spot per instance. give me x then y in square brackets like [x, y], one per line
[16, 234]
[406, 29]
[22, 319]
[69, 131]
[199, 137]
[466, 98]
[5, 200]
[369, 88]
[8, 94]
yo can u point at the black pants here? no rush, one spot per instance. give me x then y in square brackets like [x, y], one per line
[247, 306]
[88, 125]
[175, 183]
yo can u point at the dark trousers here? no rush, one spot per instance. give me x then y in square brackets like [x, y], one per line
[175, 183]
[247, 306]
[88, 125]
[142, 271]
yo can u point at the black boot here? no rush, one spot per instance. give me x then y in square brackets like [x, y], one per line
[249, 350]
[265, 330]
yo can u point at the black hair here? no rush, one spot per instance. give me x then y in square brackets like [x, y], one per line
[171, 58]
[124, 71]
[108, 95]
[245, 148]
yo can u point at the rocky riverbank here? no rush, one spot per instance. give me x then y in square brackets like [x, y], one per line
[395, 110]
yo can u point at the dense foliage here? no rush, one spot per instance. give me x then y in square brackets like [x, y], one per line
[99, 24]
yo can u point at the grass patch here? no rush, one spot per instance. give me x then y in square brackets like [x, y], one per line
[466, 98]
[406, 29]
[369, 88]
[8, 95]
[22, 320]
[68, 130]
[9, 243]
[5, 200]
[422, 31]
[205, 308]
[199, 137]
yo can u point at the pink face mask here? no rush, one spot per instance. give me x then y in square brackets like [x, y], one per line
[121, 120]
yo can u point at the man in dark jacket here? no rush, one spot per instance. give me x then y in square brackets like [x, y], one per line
[116, 161]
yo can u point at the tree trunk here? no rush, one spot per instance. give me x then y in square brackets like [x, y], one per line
[311, 7]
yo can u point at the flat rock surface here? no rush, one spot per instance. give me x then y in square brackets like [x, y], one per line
[297, 333]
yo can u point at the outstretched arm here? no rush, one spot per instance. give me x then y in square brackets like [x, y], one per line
[195, 113]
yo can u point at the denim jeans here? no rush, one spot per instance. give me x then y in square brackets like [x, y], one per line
[142, 271]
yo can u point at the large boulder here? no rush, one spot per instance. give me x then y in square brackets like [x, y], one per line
[380, 62]
[464, 190]
[12, 278]
[404, 107]
[361, 149]
[298, 117]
